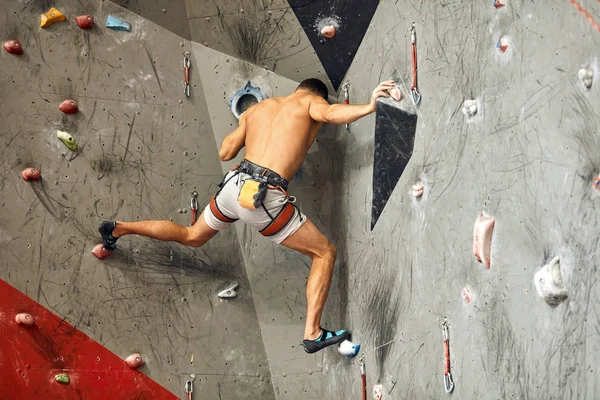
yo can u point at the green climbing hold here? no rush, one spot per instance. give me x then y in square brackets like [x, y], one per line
[67, 139]
[62, 378]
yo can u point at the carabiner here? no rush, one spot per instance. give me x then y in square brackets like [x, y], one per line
[448, 383]
[415, 95]
[194, 201]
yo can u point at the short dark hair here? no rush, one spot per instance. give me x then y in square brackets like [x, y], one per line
[315, 86]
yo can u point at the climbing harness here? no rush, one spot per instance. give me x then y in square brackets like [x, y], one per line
[363, 376]
[194, 206]
[414, 90]
[346, 87]
[189, 388]
[186, 73]
[448, 383]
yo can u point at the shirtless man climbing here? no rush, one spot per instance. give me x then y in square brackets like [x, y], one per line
[277, 134]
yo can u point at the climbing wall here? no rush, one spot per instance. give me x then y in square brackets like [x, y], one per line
[408, 194]
[527, 158]
[142, 148]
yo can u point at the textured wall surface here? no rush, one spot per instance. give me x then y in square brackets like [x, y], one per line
[527, 158]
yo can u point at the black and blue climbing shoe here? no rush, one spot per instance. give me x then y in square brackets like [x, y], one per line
[106, 229]
[327, 338]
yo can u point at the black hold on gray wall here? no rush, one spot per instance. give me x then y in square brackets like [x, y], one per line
[394, 143]
[336, 54]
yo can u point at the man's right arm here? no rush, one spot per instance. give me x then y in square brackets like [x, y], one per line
[321, 111]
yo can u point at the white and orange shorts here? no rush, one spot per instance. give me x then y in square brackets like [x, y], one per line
[277, 218]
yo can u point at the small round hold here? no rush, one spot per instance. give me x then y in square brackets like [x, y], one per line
[586, 76]
[242, 10]
[31, 174]
[180, 210]
[328, 31]
[164, 10]
[185, 210]
[85, 21]
[227, 59]
[13, 47]
[134, 361]
[69, 107]
[270, 12]
[180, 122]
[24, 319]
[100, 252]
[207, 19]
[417, 190]
[180, 101]
[284, 374]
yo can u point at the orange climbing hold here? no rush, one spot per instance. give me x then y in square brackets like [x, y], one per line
[69, 107]
[31, 174]
[134, 361]
[51, 17]
[466, 294]
[499, 3]
[100, 252]
[328, 31]
[482, 238]
[13, 47]
[24, 319]
[85, 21]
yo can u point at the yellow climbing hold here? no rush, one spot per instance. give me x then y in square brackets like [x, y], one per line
[52, 16]
[67, 139]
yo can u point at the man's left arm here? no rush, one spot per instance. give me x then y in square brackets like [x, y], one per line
[234, 142]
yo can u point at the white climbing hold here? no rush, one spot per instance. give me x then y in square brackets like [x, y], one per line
[586, 75]
[549, 283]
[482, 238]
[377, 392]
[470, 107]
[349, 349]
[417, 190]
[502, 44]
[229, 292]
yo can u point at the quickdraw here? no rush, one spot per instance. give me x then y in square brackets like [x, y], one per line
[346, 88]
[186, 73]
[194, 206]
[414, 90]
[189, 388]
[448, 383]
[363, 376]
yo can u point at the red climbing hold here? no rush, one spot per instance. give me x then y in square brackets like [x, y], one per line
[85, 21]
[69, 107]
[328, 31]
[482, 238]
[100, 252]
[31, 174]
[466, 294]
[502, 45]
[134, 361]
[24, 319]
[13, 47]
[499, 3]
[596, 184]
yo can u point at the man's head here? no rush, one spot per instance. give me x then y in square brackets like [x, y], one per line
[314, 86]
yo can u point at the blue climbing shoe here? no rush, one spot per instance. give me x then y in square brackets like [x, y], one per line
[327, 338]
[106, 229]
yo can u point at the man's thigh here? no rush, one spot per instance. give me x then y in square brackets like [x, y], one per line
[308, 240]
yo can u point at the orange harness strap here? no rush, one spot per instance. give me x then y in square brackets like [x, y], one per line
[280, 221]
[217, 213]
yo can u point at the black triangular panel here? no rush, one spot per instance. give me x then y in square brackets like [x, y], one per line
[394, 142]
[336, 54]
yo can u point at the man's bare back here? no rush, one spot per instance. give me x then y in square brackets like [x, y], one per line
[279, 132]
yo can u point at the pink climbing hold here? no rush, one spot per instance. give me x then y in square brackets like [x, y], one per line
[13, 47]
[100, 252]
[134, 361]
[328, 31]
[466, 294]
[31, 174]
[85, 21]
[499, 3]
[24, 319]
[482, 238]
[395, 93]
[417, 190]
[69, 107]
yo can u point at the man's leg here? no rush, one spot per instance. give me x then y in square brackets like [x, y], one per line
[311, 242]
[167, 231]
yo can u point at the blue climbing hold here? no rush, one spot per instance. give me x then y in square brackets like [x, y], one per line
[117, 24]
[245, 97]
